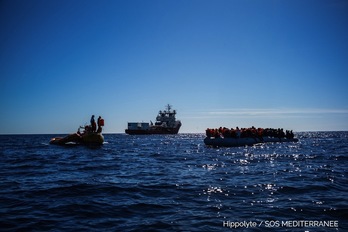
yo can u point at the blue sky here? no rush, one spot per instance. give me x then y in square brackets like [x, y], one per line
[219, 63]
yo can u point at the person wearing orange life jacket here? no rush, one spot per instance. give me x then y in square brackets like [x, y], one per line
[100, 122]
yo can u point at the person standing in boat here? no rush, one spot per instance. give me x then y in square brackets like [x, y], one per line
[100, 123]
[93, 124]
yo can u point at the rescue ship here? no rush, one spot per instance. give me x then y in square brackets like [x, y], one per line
[166, 123]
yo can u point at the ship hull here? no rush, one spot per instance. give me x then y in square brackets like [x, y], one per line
[76, 139]
[153, 131]
[236, 142]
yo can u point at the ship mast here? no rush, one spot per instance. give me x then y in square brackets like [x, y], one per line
[168, 107]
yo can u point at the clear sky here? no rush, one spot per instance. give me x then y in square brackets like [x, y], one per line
[269, 63]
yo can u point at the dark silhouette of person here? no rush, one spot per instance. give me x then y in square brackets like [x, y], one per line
[99, 121]
[93, 124]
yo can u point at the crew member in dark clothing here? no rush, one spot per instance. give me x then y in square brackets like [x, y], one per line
[100, 124]
[93, 124]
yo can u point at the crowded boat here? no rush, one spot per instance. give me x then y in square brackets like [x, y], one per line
[247, 136]
[252, 132]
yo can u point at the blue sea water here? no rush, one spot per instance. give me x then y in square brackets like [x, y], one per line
[174, 183]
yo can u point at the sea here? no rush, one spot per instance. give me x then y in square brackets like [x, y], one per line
[174, 183]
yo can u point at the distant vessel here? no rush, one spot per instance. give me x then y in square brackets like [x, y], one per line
[166, 123]
[224, 137]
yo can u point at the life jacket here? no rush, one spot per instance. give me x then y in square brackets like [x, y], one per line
[101, 122]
